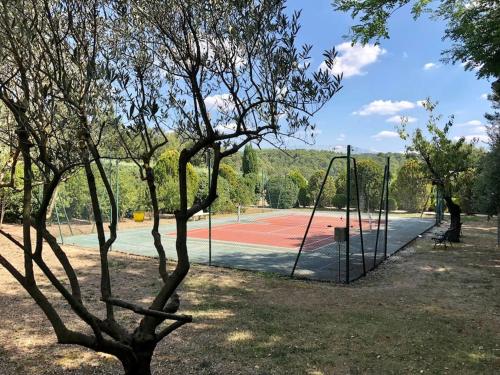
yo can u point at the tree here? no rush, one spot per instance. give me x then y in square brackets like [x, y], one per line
[444, 159]
[412, 186]
[282, 192]
[472, 26]
[487, 187]
[302, 184]
[241, 190]
[167, 176]
[370, 177]
[314, 187]
[73, 73]
[339, 201]
[250, 163]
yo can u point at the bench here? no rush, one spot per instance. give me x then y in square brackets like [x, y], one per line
[199, 215]
[443, 238]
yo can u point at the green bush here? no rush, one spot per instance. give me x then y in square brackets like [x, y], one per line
[393, 204]
[339, 201]
[223, 203]
[302, 184]
[314, 187]
[167, 180]
[282, 192]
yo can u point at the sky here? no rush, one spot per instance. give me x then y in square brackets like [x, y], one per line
[382, 83]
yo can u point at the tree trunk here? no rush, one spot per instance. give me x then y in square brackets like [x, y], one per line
[2, 213]
[140, 365]
[52, 204]
[455, 211]
[498, 226]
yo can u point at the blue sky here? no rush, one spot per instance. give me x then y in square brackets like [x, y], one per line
[382, 83]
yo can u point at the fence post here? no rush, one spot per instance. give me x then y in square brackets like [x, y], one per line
[347, 216]
[209, 210]
[387, 205]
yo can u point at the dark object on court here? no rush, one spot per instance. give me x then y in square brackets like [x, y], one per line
[340, 234]
[443, 238]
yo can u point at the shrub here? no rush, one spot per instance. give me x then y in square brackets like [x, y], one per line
[282, 192]
[393, 204]
[339, 201]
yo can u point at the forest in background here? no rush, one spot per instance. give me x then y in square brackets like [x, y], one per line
[265, 177]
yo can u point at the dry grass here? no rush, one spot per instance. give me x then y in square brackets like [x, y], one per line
[423, 311]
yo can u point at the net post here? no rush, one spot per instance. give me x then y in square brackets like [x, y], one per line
[387, 205]
[67, 220]
[59, 225]
[117, 193]
[209, 211]
[359, 215]
[348, 209]
[312, 214]
[379, 218]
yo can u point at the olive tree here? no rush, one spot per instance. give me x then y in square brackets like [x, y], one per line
[217, 75]
[445, 159]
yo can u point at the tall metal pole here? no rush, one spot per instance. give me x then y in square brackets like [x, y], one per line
[209, 210]
[59, 225]
[117, 192]
[347, 215]
[359, 214]
[379, 218]
[387, 205]
[313, 212]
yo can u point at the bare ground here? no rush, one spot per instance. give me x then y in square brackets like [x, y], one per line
[424, 311]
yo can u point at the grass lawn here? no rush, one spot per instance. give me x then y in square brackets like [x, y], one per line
[431, 311]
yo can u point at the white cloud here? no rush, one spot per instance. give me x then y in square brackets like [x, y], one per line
[353, 58]
[430, 66]
[384, 107]
[341, 137]
[474, 137]
[472, 65]
[385, 134]
[226, 128]
[397, 119]
[484, 96]
[219, 102]
[471, 123]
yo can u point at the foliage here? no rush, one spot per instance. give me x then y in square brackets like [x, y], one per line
[223, 203]
[250, 163]
[487, 187]
[370, 177]
[90, 81]
[443, 157]
[282, 192]
[339, 201]
[314, 187]
[393, 204]
[472, 27]
[411, 187]
[166, 172]
[301, 182]
[241, 189]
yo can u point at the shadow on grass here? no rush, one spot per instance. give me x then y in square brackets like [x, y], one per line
[248, 324]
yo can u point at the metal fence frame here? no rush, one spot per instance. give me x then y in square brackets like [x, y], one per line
[384, 205]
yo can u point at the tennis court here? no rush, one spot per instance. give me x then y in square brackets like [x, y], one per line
[283, 231]
[269, 242]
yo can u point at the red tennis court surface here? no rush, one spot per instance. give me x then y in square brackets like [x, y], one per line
[282, 231]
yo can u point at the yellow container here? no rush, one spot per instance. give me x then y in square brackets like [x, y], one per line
[138, 216]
